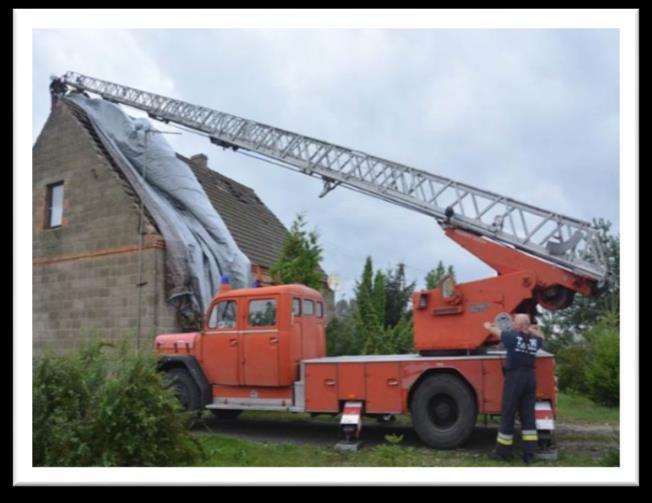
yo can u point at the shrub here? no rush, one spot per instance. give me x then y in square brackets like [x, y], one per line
[603, 368]
[106, 406]
[571, 368]
[592, 367]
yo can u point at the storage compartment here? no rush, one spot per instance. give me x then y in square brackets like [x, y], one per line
[351, 381]
[384, 391]
[321, 387]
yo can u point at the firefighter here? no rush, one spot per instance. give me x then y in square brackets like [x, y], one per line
[519, 389]
[57, 88]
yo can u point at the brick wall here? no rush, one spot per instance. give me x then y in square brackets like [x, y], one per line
[86, 272]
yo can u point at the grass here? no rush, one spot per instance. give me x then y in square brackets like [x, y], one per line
[228, 451]
[584, 449]
[577, 409]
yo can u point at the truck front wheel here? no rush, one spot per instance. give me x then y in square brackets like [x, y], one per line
[443, 411]
[184, 388]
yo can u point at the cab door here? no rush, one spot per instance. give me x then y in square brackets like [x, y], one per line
[261, 339]
[222, 351]
[309, 333]
[296, 349]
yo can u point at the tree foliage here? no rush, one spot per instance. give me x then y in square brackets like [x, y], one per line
[377, 320]
[398, 294]
[435, 275]
[341, 335]
[300, 257]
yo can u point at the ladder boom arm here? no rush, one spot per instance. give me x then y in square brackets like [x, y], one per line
[567, 242]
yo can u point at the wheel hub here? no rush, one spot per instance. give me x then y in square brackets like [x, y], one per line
[443, 411]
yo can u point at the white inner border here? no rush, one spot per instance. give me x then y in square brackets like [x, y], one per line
[27, 20]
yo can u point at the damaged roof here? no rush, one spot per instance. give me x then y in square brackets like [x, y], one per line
[255, 229]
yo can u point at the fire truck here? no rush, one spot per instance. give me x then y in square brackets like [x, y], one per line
[265, 348]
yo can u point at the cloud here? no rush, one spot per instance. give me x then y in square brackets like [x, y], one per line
[113, 55]
[531, 114]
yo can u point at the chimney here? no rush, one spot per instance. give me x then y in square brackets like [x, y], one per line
[199, 160]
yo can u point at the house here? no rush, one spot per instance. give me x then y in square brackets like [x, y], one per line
[92, 275]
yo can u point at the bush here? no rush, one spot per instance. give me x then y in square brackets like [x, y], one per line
[603, 368]
[572, 362]
[592, 367]
[105, 406]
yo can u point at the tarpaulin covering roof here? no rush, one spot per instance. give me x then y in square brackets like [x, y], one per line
[199, 247]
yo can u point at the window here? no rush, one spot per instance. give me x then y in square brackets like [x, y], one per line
[296, 307]
[54, 215]
[262, 313]
[224, 315]
[320, 310]
[308, 307]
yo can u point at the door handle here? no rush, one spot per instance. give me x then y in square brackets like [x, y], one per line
[329, 382]
[233, 342]
[273, 340]
[392, 382]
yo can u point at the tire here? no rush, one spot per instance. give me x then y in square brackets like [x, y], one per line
[225, 414]
[443, 411]
[185, 389]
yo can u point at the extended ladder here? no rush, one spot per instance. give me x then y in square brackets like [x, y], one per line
[564, 241]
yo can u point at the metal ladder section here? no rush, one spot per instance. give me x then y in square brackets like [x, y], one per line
[567, 242]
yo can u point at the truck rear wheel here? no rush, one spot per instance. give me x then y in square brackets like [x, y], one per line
[184, 388]
[443, 411]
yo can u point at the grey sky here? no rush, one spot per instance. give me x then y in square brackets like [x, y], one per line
[531, 114]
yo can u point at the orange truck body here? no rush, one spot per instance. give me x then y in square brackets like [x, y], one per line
[282, 363]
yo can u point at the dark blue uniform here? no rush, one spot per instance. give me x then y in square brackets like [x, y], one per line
[519, 392]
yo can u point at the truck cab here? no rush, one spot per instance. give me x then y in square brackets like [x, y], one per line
[250, 348]
[259, 336]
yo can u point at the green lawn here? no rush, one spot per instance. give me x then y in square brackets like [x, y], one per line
[221, 450]
[575, 448]
[576, 409]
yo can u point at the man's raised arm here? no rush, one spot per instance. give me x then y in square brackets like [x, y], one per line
[492, 328]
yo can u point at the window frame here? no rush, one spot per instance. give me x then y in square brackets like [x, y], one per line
[298, 300]
[48, 204]
[319, 311]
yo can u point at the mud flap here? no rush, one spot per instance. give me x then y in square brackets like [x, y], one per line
[351, 422]
[545, 423]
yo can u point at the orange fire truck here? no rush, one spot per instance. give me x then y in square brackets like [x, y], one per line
[265, 348]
